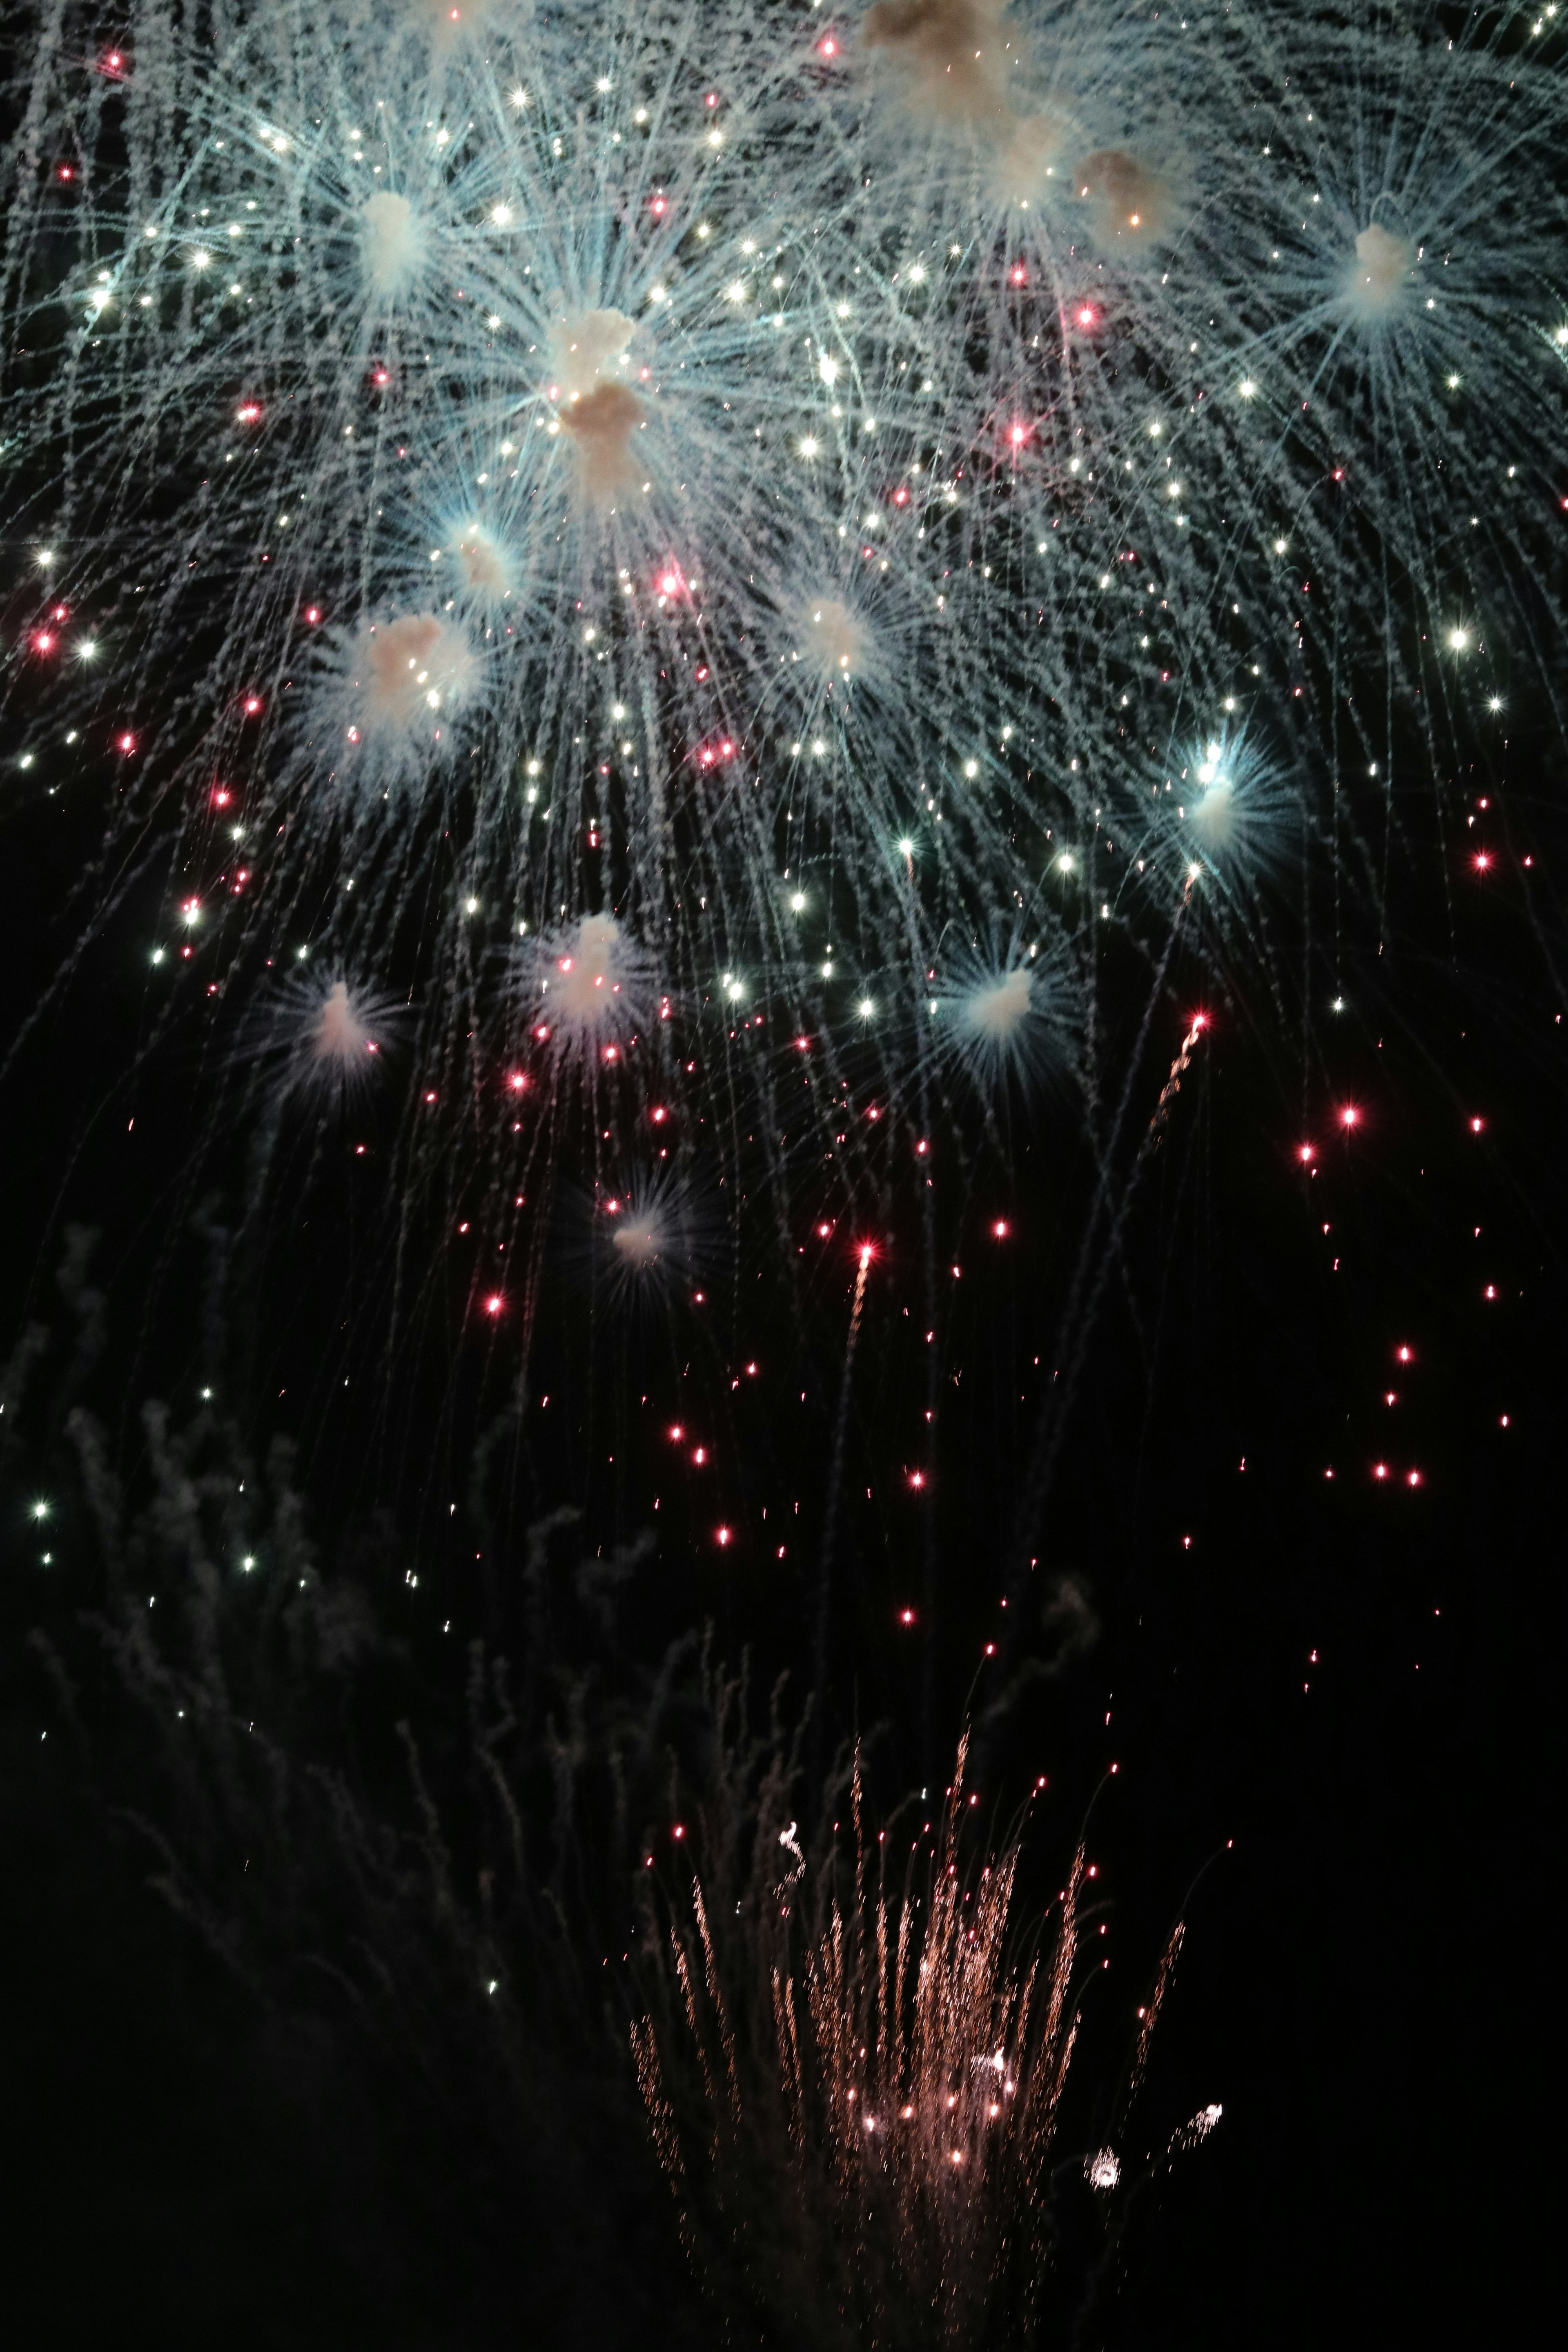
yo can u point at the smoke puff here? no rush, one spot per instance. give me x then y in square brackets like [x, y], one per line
[601, 426]
[394, 243]
[835, 640]
[1382, 263]
[583, 345]
[949, 54]
[1129, 201]
[485, 565]
[412, 668]
[998, 1012]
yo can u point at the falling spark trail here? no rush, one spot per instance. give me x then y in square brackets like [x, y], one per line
[835, 1479]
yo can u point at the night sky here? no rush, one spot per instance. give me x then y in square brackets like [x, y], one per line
[1213, 1485]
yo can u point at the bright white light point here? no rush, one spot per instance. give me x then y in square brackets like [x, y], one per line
[1281, 545]
[1459, 639]
[827, 369]
[471, 906]
[1065, 861]
[972, 768]
[201, 260]
[501, 215]
[865, 1008]
[1104, 2168]
[735, 292]
[603, 83]
[808, 447]
[905, 848]
[1494, 702]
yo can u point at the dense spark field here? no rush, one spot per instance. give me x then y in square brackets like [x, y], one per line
[711, 622]
[715, 560]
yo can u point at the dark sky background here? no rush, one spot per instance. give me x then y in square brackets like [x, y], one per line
[1341, 1694]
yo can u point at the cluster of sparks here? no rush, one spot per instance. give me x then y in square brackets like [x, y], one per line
[812, 529]
[904, 2051]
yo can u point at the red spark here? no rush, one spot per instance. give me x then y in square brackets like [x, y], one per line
[722, 1536]
[517, 1082]
[1349, 1116]
[494, 1303]
[1476, 1124]
[1001, 1229]
[906, 1616]
[1306, 1152]
[1380, 1470]
[249, 415]
[1086, 316]
[1406, 1355]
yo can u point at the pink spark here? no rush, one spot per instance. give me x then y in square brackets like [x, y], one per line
[493, 1303]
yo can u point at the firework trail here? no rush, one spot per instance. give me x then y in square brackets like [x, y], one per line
[835, 1483]
[909, 2053]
